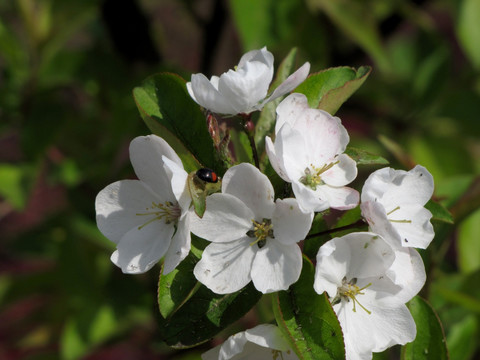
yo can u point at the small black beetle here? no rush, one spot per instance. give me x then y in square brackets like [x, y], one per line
[207, 175]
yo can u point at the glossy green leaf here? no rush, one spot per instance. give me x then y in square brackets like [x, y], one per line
[439, 212]
[469, 31]
[192, 314]
[430, 340]
[363, 157]
[169, 112]
[329, 89]
[308, 320]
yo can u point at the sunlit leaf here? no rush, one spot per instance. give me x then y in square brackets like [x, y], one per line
[169, 112]
[430, 340]
[329, 89]
[363, 157]
[308, 320]
[439, 212]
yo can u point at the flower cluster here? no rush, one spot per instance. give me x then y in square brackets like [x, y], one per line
[254, 237]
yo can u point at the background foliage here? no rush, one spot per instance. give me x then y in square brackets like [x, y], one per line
[67, 71]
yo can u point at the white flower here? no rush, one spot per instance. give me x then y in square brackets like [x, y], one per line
[261, 342]
[253, 237]
[308, 152]
[393, 205]
[147, 218]
[244, 89]
[368, 288]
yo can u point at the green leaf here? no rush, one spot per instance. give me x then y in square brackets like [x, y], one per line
[430, 340]
[363, 157]
[462, 338]
[308, 320]
[15, 181]
[469, 31]
[196, 188]
[266, 121]
[169, 112]
[468, 245]
[439, 212]
[192, 314]
[329, 89]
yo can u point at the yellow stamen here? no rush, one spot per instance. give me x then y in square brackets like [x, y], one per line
[169, 212]
[349, 290]
[313, 177]
[261, 231]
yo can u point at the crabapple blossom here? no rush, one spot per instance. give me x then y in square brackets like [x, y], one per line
[253, 238]
[261, 342]
[308, 152]
[147, 218]
[393, 205]
[368, 290]
[244, 89]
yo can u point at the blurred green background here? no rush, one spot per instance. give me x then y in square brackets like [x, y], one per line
[67, 69]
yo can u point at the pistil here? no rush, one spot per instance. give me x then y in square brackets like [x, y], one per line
[261, 231]
[349, 290]
[312, 177]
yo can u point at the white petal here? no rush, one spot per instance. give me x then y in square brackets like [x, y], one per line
[117, 207]
[416, 233]
[268, 336]
[225, 267]
[384, 327]
[397, 187]
[376, 216]
[180, 245]
[333, 258]
[262, 55]
[140, 249]
[290, 109]
[246, 182]
[274, 160]
[276, 266]
[307, 198]
[414, 187]
[247, 86]
[226, 219]
[178, 180]
[323, 134]
[371, 255]
[206, 95]
[342, 173]
[292, 152]
[253, 344]
[290, 83]
[340, 198]
[290, 223]
[407, 271]
[146, 157]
